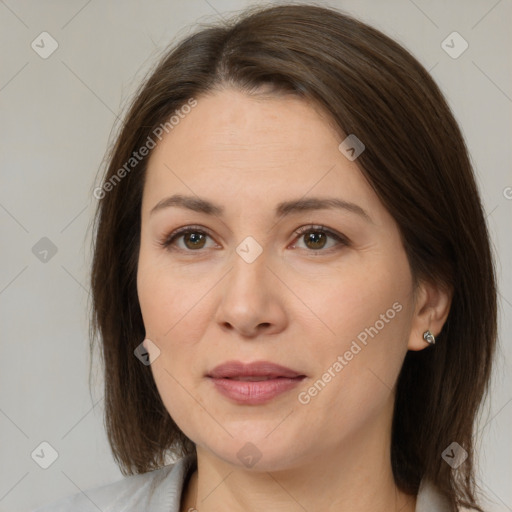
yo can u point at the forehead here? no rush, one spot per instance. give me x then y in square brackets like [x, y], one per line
[230, 120]
[231, 142]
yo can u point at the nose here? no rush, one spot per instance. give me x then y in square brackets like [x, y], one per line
[250, 301]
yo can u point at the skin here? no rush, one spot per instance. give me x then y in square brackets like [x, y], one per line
[297, 304]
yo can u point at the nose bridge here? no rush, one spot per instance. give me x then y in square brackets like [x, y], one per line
[248, 296]
[249, 273]
[250, 250]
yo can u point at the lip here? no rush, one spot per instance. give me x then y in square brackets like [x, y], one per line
[233, 369]
[239, 381]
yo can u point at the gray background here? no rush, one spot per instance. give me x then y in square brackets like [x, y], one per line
[56, 119]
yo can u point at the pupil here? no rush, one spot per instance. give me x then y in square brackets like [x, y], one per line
[195, 238]
[316, 239]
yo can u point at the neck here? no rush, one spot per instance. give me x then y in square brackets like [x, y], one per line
[354, 476]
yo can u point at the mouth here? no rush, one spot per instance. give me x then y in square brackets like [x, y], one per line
[255, 378]
[253, 383]
[258, 370]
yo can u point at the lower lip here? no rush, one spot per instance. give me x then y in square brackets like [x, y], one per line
[255, 392]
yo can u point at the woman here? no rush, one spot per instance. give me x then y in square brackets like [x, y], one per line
[292, 280]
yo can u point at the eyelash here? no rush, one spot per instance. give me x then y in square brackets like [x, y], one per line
[169, 239]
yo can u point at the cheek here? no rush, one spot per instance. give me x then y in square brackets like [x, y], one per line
[173, 330]
[379, 316]
[167, 299]
[370, 313]
[359, 298]
[175, 312]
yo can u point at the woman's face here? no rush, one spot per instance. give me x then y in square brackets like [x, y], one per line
[335, 307]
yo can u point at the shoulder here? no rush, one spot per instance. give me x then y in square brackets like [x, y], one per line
[154, 491]
[429, 499]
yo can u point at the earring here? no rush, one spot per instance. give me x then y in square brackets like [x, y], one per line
[429, 337]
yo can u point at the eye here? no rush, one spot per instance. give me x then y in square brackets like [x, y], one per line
[316, 237]
[193, 237]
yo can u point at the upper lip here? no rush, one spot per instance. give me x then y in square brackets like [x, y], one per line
[232, 369]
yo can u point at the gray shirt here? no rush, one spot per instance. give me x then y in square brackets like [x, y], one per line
[160, 491]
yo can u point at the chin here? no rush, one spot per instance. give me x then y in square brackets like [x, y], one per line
[255, 450]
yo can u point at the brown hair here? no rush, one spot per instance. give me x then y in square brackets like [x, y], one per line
[415, 160]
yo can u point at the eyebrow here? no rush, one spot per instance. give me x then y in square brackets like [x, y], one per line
[282, 209]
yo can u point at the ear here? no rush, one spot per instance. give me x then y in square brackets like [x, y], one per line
[432, 306]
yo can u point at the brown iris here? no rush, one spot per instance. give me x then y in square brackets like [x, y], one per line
[317, 239]
[197, 240]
